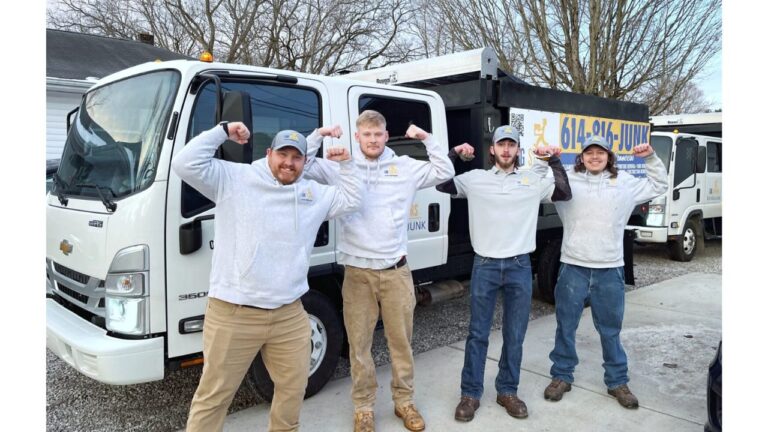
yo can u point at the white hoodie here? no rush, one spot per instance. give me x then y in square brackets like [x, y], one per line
[379, 229]
[595, 217]
[264, 230]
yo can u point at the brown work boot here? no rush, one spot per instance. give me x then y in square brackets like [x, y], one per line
[514, 406]
[465, 411]
[624, 396]
[411, 418]
[555, 389]
[364, 421]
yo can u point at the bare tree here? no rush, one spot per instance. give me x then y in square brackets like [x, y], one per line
[620, 49]
[319, 36]
[691, 99]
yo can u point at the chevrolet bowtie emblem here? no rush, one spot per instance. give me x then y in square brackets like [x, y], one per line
[66, 247]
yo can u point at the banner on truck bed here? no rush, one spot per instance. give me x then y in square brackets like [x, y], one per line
[570, 131]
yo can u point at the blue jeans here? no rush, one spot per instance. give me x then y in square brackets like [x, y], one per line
[604, 289]
[512, 278]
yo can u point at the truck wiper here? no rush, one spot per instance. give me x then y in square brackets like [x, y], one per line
[109, 204]
[59, 183]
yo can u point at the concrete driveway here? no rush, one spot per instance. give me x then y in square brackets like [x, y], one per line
[671, 331]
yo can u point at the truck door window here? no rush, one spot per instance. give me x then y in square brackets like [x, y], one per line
[274, 107]
[714, 157]
[685, 155]
[401, 113]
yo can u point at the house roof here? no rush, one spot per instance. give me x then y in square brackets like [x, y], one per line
[78, 56]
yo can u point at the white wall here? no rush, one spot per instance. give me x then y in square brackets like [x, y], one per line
[58, 104]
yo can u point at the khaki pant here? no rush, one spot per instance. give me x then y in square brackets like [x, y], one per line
[232, 336]
[366, 293]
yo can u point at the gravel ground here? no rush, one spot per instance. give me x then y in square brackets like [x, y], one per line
[77, 403]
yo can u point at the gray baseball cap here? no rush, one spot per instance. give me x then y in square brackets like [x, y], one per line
[290, 138]
[596, 140]
[506, 132]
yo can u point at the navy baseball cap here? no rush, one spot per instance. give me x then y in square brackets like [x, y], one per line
[290, 138]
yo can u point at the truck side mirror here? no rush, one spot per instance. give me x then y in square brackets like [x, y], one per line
[675, 194]
[237, 107]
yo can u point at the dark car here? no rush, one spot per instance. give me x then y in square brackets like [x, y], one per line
[51, 165]
[715, 393]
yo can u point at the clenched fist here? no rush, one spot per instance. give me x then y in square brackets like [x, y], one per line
[238, 132]
[337, 154]
[550, 150]
[330, 131]
[416, 132]
[642, 150]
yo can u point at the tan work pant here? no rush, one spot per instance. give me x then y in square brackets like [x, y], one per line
[367, 292]
[232, 336]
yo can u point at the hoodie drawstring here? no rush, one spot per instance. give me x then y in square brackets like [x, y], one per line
[295, 208]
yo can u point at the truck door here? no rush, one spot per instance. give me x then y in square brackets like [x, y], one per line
[266, 107]
[686, 189]
[428, 217]
[714, 186]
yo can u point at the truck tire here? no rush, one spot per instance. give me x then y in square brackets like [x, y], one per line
[684, 248]
[327, 338]
[547, 270]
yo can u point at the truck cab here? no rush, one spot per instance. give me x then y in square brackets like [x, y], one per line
[692, 207]
[129, 244]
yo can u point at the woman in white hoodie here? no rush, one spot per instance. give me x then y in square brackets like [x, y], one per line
[592, 260]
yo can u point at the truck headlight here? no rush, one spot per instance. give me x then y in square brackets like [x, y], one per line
[127, 291]
[656, 209]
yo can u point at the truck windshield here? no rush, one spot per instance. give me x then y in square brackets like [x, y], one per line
[662, 145]
[114, 143]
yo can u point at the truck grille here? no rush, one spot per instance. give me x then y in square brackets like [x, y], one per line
[82, 298]
[68, 272]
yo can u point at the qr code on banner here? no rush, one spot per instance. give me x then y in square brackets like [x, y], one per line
[518, 122]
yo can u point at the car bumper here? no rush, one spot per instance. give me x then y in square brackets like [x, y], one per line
[89, 349]
[645, 234]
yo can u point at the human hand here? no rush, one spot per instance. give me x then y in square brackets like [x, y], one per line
[416, 132]
[331, 131]
[337, 154]
[465, 151]
[642, 150]
[547, 151]
[238, 132]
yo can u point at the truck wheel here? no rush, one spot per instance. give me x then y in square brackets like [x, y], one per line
[326, 339]
[547, 269]
[684, 248]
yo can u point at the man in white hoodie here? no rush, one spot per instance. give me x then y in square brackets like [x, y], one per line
[372, 248]
[267, 217]
[592, 260]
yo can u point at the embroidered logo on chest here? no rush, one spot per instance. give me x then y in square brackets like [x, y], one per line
[306, 195]
[391, 171]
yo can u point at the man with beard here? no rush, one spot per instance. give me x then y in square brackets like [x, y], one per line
[503, 207]
[267, 217]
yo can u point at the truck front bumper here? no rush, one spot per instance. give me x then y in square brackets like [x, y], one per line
[89, 349]
[644, 234]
